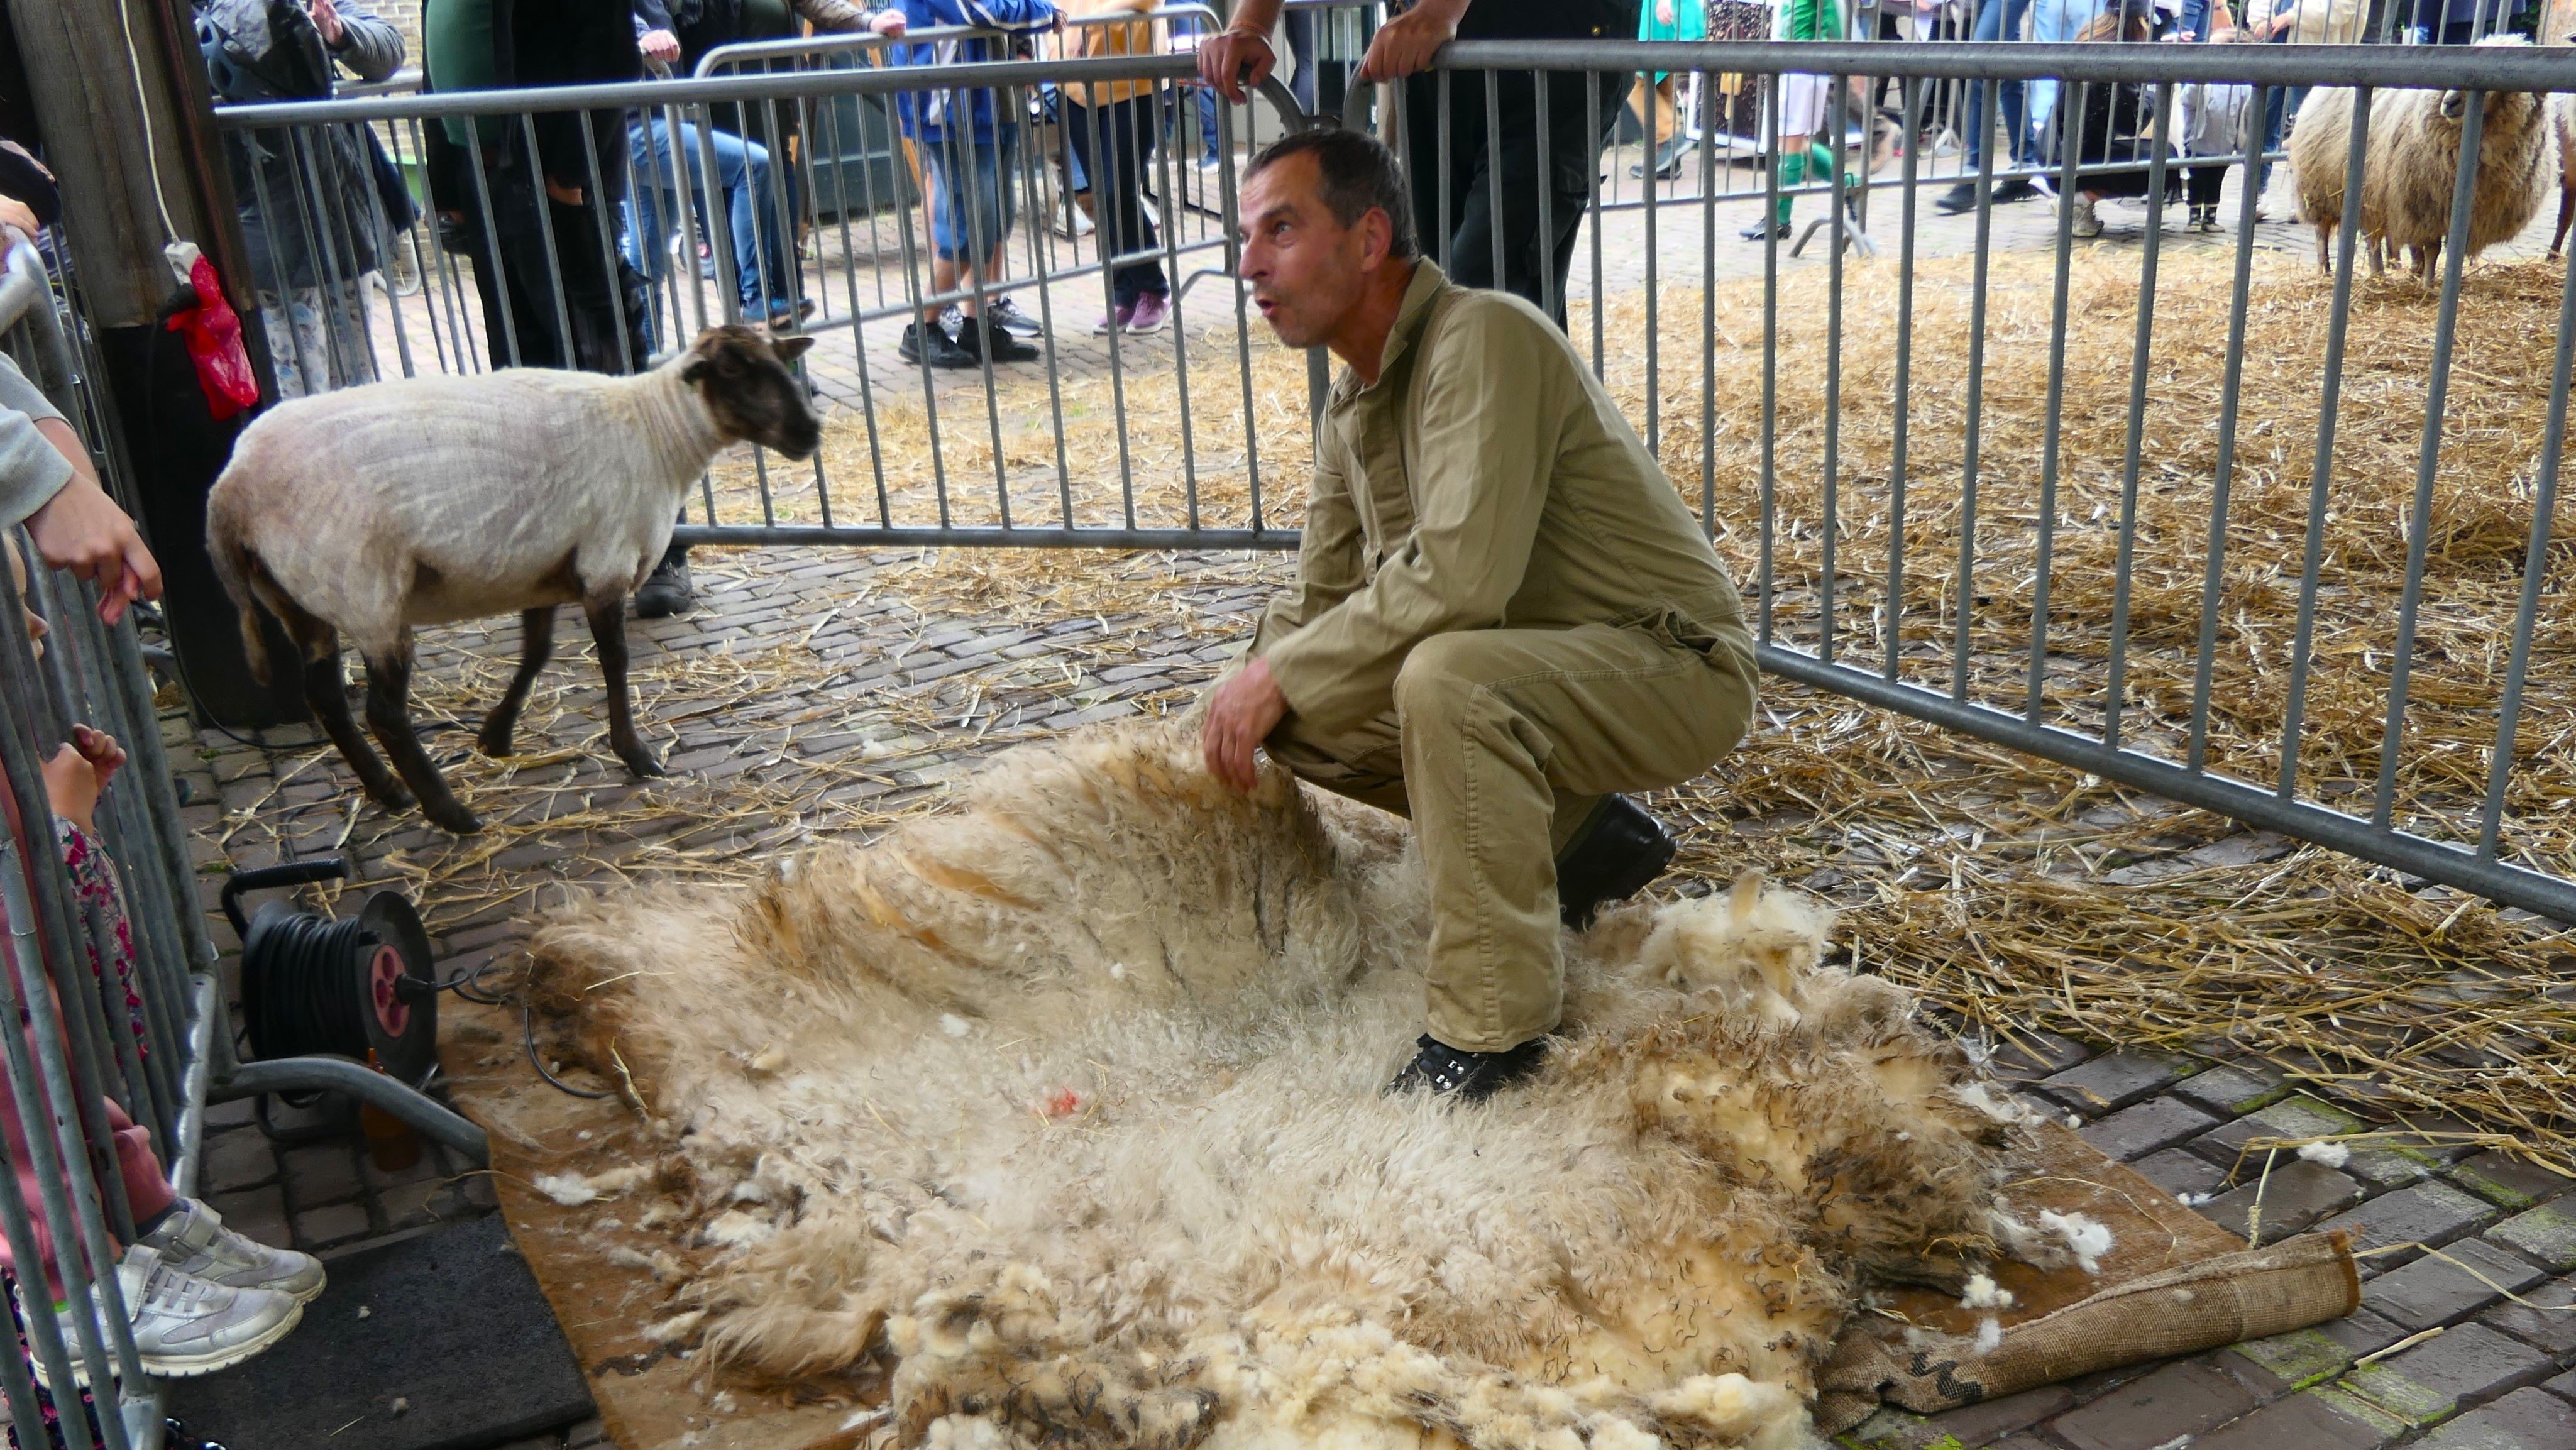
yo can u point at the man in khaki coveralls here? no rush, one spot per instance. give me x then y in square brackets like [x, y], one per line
[1503, 616]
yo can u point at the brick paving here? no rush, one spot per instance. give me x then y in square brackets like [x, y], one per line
[896, 671]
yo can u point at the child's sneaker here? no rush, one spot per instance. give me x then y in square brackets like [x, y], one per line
[184, 1326]
[194, 1241]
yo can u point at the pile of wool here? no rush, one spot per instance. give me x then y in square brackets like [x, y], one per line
[1069, 1103]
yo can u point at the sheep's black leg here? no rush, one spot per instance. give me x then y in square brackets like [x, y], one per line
[536, 643]
[608, 628]
[327, 691]
[389, 714]
[2566, 215]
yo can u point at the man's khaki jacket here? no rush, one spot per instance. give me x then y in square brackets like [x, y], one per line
[1484, 481]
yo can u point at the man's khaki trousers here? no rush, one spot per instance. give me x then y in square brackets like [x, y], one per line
[1501, 743]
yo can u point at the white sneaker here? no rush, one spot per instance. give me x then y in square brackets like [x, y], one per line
[2086, 223]
[194, 1241]
[183, 1326]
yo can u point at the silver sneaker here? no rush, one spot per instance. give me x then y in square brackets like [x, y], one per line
[194, 1241]
[184, 1326]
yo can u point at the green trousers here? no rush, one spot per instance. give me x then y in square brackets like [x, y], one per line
[1500, 745]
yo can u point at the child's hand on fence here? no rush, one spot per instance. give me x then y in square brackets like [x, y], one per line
[79, 772]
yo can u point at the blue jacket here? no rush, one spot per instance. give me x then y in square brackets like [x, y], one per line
[928, 115]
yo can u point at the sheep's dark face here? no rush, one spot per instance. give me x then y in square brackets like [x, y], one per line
[745, 380]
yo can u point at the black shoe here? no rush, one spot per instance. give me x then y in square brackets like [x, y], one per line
[1006, 315]
[1610, 859]
[1962, 197]
[1467, 1076]
[987, 340]
[924, 343]
[2019, 188]
[667, 591]
[1759, 230]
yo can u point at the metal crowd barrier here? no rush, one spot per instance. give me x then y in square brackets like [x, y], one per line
[82, 1045]
[1133, 442]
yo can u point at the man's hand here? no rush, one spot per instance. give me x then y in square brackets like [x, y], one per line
[663, 46]
[1240, 716]
[1404, 46]
[326, 22]
[1664, 13]
[82, 529]
[888, 23]
[79, 772]
[1234, 61]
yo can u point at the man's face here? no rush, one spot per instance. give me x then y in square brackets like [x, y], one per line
[1305, 267]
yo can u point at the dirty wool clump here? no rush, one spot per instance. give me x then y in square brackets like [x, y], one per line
[1069, 1102]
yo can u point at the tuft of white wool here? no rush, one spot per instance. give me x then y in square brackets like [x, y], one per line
[1984, 1293]
[954, 1025]
[735, 1229]
[569, 1189]
[1749, 948]
[572, 1190]
[2000, 1106]
[2085, 1238]
[2332, 1155]
[2413, 165]
[1247, 1239]
[1990, 1335]
[678, 1327]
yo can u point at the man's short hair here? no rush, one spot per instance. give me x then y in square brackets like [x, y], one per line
[1355, 173]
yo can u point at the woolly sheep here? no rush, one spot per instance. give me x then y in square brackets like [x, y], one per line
[2562, 121]
[2411, 167]
[2328, 22]
[370, 510]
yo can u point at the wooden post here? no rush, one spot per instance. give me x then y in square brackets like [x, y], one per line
[119, 89]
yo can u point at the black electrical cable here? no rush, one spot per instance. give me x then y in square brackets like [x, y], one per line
[306, 1003]
[528, 1035]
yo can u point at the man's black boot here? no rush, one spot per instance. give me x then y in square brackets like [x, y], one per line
[1468, 1076]
[1610, 859]
[667, 590]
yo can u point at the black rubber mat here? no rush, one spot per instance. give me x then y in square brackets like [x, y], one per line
[454, 1332]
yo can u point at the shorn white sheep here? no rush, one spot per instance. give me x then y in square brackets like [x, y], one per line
[371, 510]
[2412, 166]
[1069, 1103]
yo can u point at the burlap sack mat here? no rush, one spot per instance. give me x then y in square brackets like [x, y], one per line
[2245, 1295]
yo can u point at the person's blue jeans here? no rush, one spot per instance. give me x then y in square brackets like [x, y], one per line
[1206, 100]
[974, 200]
[2054, 22]
[1995, 20]
[767, 282]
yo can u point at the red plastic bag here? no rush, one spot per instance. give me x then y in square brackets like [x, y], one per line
[213, 334]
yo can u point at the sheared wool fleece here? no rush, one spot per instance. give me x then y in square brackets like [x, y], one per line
[1071, 1101]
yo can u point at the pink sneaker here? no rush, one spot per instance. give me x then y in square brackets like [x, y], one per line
[1150, 313]
[1116, 319]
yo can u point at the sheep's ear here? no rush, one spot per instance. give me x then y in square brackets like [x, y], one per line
[789, 349]
[694, 373]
